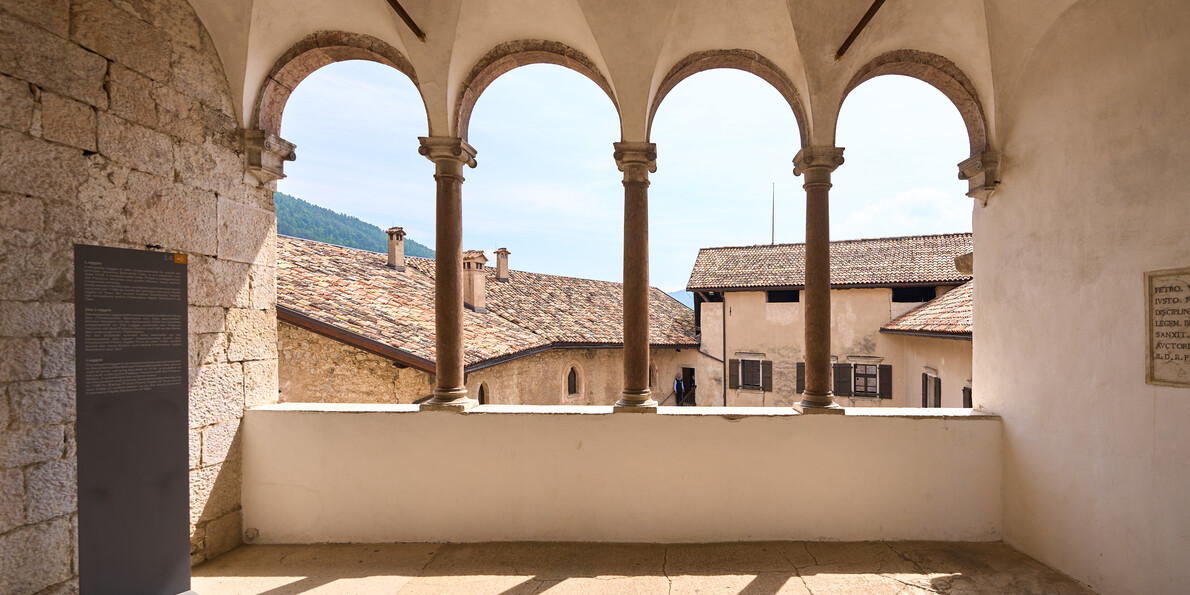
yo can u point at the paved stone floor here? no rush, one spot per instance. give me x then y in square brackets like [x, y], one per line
[557, 568]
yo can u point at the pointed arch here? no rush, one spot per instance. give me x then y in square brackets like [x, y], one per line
[513, 54]
[745, 60]
[311, 53]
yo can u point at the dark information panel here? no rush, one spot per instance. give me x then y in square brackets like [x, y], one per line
[131, 356]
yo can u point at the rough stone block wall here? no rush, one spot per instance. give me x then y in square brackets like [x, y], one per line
[317, 369]
[117, 128]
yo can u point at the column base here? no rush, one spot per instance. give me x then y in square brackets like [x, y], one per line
[634, 402]
[449, 400]
[818, 404]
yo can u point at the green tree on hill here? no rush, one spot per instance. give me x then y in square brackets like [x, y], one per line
[301, 219]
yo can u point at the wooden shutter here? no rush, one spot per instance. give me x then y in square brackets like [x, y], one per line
[842, 380]
[925, 389]
[733, 373]
[937, 391]
[801, 377]
[766, 375]
[967, 397]
[885, 381]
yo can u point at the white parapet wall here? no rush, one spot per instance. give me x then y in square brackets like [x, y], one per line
[317, 473]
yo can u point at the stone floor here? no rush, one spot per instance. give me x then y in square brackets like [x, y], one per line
[554, 568]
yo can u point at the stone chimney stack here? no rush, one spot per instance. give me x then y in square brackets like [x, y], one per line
[475, 290]
[396, 248]
[502, 265]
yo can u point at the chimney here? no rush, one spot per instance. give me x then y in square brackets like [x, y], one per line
[396, 248]
[502, 265]
[474, 281]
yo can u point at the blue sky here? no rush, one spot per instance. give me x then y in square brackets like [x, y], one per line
[548, 189]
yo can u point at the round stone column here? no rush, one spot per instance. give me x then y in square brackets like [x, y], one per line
[637, 161]
[449, 154]
[817, 163]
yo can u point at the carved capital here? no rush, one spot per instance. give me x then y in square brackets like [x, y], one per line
[982, 173]
[829, 158]
[267, 154]
[636, 160]
[448, 149]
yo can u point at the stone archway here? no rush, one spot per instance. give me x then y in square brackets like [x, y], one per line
[938, 72]
[981, 169]
[745, 60]
[311, 53]
[512, 54]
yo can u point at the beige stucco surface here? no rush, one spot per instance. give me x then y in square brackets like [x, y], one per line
[950, 360]
[326, 474]
[756, 328]
[1095, 473]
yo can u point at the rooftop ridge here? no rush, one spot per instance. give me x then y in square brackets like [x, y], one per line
[856, 240]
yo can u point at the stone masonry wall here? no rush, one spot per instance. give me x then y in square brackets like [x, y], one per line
[317, 369]
[117, 128]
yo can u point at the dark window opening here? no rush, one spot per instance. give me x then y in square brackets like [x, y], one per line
[483, 395]
[914, 294]
[783, 296]
[865, 380]
[967, 397]
[750, 374]
[572, 382]
[713, 297]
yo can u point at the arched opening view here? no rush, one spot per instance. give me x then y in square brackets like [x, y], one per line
[356, 125]
[725, 140]
[902, 329]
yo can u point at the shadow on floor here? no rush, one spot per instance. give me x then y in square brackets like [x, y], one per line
[751, 568]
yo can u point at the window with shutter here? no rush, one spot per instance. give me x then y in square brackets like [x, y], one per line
[801, 377]
[967, 397]
[886, 381]
[842, 379]
[937, 391]
[766, 375]
[733, 373]
[925, 389]
[750, 374]
[865, 380]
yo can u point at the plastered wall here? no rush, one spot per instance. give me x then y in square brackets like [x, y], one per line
[326, 473]
[950, 359]
[117, 129]
[777, 330]
[318, 369]
[1094, 193]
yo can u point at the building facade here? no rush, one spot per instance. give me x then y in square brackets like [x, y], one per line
[750, 316]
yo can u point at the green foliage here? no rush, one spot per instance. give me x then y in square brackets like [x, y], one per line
[300, 219]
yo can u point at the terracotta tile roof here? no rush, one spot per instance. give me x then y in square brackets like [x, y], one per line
[876, 262]
[353, 290]
[948, 314]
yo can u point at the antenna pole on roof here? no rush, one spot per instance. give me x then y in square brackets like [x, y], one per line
[773, 239]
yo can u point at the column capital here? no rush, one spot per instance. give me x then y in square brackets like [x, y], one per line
[982, 173]
[446, 148]
[636, 160]
[817, 157]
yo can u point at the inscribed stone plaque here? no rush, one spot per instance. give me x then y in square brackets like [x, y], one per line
[132, 377]
[1168, 295]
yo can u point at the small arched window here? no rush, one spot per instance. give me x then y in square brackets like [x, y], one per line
[483, 394]
[572, 381]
